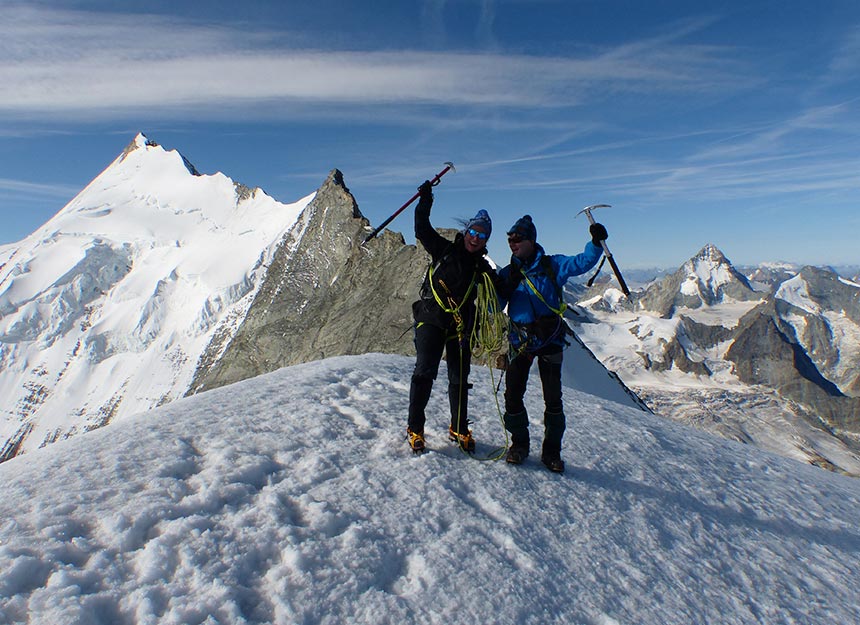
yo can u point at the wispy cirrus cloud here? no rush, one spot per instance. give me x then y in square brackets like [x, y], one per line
[8, 185]
[845, 62]
[781, 135]
[111, 65]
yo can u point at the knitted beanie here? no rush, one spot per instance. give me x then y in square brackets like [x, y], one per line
[525, 228]
[481, 220]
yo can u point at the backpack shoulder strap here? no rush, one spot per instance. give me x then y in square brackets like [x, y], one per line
[546, 266]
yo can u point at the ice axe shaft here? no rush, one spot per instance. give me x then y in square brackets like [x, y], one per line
[449, 166]
[587, 210]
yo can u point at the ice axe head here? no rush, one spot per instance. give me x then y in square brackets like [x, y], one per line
[449, 166]
[587, 210]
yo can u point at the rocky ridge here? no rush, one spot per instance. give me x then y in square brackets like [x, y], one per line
[325, 294]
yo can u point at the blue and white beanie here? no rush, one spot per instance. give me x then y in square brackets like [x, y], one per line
[482, 220]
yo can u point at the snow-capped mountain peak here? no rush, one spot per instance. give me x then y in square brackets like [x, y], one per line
[127, 282]
[141, 142]
[707, 272]
[711, 252]
[707, 279]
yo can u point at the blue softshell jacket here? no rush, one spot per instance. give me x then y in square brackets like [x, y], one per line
[524, 307]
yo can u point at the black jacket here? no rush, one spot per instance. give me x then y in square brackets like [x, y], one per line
[456, 274]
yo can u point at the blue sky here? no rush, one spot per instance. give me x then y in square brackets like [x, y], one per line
[733, 123]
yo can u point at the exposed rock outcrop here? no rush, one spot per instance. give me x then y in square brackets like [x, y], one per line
[766, 351]
[325, 294]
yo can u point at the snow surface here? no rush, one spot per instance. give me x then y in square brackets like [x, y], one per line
[292, 498]
[727, 314]
[6, 252]
[795, 291]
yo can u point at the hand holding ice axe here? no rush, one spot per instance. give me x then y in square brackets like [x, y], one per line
[448, 167]
[607, 254]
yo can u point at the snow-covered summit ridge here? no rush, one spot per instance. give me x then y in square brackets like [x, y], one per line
[149, 198]
[292, 497]
[127, 283]
[141, 141]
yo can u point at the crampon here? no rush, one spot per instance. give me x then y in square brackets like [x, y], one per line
[416, 441]
[464, 441]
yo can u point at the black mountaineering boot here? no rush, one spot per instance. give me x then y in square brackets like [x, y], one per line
[517, 455]
[518, 425]
[551, 457]
[553, 462]
[551, 451]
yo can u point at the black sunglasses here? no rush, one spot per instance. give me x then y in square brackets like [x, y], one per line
[477, 233]
[515, 238]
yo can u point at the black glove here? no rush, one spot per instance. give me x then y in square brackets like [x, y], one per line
[598, 234]
[425, 191]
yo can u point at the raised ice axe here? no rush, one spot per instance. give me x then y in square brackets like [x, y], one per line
[449, 166]
[607, 254]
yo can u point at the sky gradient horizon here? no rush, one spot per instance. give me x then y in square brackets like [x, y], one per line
[734, 124]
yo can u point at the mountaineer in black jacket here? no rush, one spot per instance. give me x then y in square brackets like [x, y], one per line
[445, 316]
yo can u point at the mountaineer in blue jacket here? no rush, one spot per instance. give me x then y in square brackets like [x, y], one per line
[534, 282]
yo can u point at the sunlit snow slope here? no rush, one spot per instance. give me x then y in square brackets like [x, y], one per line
[105, 310]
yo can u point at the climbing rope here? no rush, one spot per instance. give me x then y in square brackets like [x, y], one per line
[488, 341]
[490, 334]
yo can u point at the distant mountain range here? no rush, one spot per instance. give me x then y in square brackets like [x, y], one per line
[772, 357]
[156, 282]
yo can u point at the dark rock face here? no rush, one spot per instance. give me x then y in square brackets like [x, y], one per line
[704, 335]
[324, 295]
[766, 351]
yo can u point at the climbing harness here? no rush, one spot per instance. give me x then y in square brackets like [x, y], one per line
[562, 305]
[454, 309]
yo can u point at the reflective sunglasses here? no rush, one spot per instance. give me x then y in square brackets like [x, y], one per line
[477, 233]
